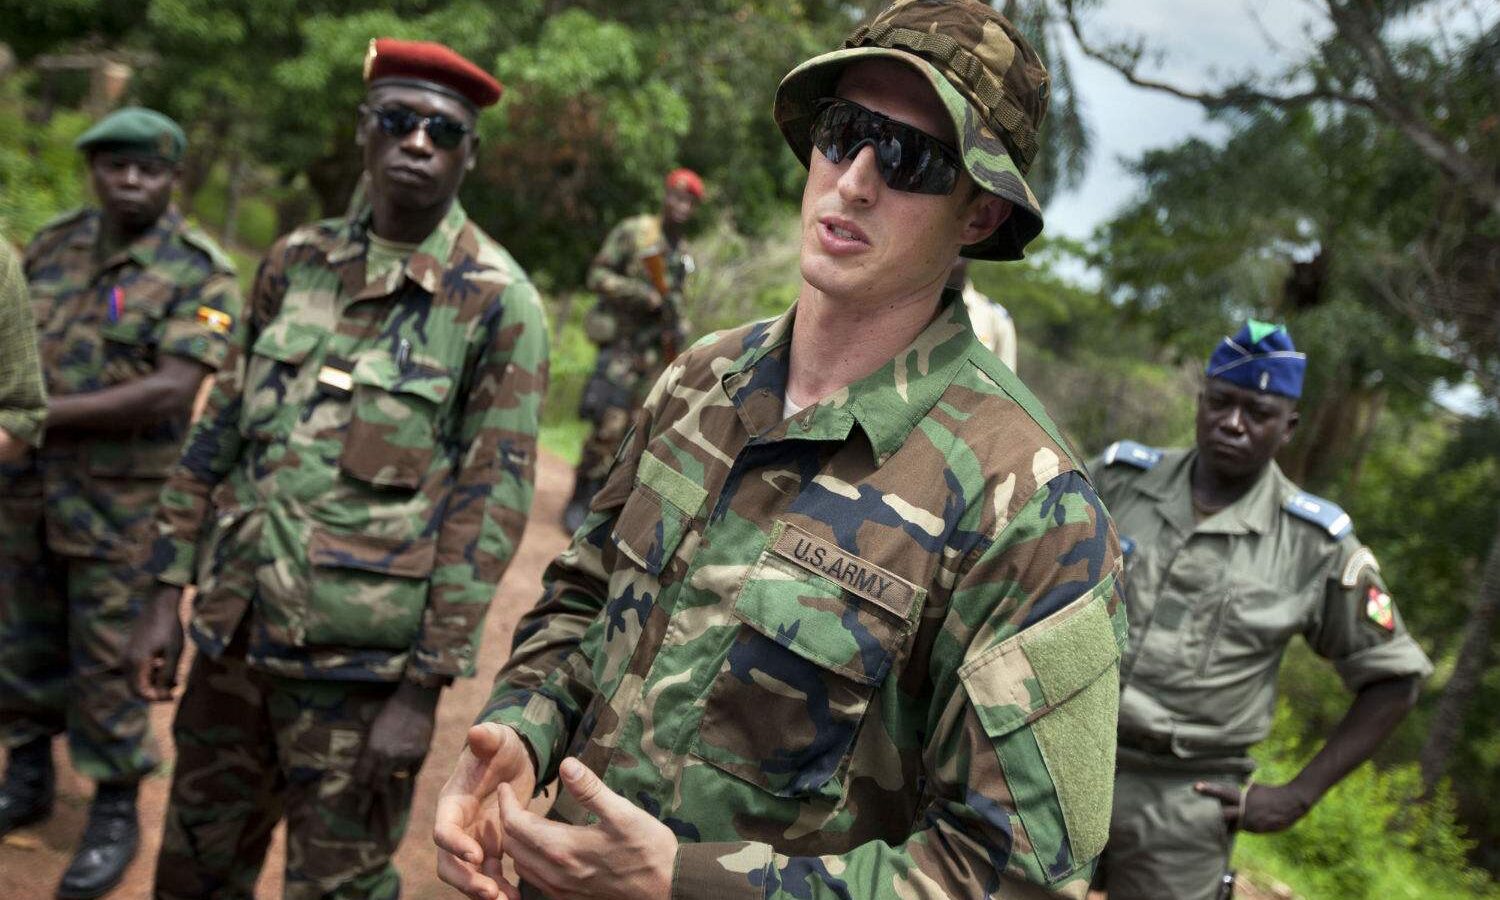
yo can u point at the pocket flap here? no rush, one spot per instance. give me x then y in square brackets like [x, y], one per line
[285, 342]
[1029, 674]
[387, 556]
[654, 521]
[674, 487]
[379, 369]
[818, 619]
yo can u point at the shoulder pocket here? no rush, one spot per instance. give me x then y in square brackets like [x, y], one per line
[657, 515]
[393, 424]
[808, 657]
[1048, 699]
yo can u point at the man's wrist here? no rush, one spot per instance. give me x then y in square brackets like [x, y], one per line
[424, 680]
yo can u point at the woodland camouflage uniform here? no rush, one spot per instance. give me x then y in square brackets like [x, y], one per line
[868, 650]
[357, 486]
[75, 520]
[633, 336]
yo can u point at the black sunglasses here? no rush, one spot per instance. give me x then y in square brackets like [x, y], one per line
[444, 132]
[908, 158]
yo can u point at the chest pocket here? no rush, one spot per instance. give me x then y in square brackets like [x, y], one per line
[1048, 699]
[393, 426]
[275, 385]
[783, 711]
[131, 325]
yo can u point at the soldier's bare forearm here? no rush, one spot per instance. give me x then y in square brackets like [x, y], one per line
[1376, 711]
[168, 391]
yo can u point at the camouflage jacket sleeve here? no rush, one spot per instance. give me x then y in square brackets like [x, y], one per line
[1018, 763]
[608, 272]
[545, 686]
[23, 401]
[488, 503]
[215, 442]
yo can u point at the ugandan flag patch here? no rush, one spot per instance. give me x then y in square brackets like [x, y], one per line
[1379, 609]
[216, 320]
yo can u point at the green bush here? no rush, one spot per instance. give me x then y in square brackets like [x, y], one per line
[1370, 837]
[41, 175]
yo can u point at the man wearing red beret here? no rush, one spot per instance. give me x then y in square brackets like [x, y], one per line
[356, 487]
[637, 323]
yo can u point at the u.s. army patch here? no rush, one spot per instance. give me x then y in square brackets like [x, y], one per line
[857, 576]
[216, 320]
[1379, 608]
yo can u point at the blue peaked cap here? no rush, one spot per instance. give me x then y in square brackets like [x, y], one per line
[1262, 358]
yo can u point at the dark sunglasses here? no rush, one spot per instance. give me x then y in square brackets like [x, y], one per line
[444, 132]
[908, 158]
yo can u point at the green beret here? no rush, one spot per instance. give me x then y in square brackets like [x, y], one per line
[135, 129]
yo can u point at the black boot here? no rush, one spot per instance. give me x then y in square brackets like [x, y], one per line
[26, 794]
[109, 844]
[577, 510]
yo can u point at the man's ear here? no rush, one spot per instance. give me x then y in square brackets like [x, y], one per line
[983, 216]
[361, 122]
[473, 153]
[1292, 419]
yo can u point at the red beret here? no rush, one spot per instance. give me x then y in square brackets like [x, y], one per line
[428, 65]
[685, 180]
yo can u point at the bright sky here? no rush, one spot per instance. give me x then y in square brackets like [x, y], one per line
[1202, 39]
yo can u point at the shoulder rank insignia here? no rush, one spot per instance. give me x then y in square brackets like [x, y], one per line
[1379, 608]
[1132, 454]
[1323, 513]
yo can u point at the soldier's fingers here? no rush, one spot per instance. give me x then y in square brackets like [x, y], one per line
[450, 831]
[528, 835]
[594, 795]
[465, 878]
[1228, 794]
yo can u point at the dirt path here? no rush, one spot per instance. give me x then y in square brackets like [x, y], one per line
[32, 859]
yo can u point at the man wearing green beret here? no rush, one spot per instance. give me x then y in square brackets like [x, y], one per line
[133, 308]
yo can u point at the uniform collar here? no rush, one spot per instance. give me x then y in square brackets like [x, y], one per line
[887, 404]
[424, 268]
[1170, 483]
[144, 251]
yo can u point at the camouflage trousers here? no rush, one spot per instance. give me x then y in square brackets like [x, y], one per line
[622, 378]
[254, 747]
[64, 623]
[1166, 840]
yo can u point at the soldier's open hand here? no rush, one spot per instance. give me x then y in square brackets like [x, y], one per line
[155, 646]
[627, 855]
[1259, 808]
[399, 736]
[467, 829]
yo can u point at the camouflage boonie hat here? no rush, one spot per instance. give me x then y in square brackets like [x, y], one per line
[990, 79]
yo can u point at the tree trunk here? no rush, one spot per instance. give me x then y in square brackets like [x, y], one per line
[234, 192]
[1458, 694]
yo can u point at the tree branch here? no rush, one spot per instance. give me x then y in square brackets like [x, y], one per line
[1390, 101]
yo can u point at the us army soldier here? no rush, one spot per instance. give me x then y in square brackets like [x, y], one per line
[844, 619]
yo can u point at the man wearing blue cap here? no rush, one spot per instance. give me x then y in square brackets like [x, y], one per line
[1226, 561]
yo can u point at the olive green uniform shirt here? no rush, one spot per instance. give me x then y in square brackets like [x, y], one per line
[1213, 605]
[23, 402]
